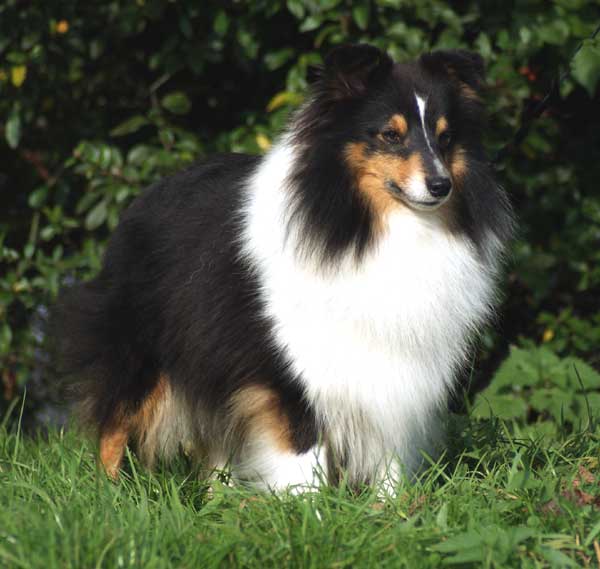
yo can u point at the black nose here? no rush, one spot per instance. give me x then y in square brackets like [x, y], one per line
[439, 187]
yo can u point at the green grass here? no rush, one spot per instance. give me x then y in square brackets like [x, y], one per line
[497, 499]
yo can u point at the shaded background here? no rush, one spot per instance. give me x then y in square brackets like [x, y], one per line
[99, 99]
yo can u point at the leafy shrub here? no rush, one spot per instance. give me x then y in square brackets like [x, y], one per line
[99, 101]
[535, 385]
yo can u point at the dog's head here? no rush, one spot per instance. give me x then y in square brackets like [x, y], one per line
[377, 137]
[405, 131]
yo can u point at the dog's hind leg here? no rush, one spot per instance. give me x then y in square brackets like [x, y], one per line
[158, 424]
[113, 440]
[162, 426]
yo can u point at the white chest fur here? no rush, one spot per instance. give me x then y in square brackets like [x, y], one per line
[377, 344]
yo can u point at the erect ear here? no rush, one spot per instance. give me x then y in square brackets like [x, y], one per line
[465, 67]
[348, 70]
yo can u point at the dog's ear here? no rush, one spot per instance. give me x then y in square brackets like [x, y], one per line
[465, 67]
[348, 70]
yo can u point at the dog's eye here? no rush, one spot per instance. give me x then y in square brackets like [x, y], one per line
[392, 136]
[444, 139]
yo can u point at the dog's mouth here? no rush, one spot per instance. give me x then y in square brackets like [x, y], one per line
[423, 205]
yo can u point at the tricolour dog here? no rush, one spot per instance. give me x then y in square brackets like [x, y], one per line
[302, 315]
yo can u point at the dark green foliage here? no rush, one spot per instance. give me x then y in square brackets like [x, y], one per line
[99, 99]
[536, 384]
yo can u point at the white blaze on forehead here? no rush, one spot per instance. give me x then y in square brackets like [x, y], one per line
[421, 104]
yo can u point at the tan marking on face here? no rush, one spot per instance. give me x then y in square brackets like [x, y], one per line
[468, 92]
[465, 90]
[458, 164]
[441, 126]
[373, 171]
[399, 124]
[257, 410]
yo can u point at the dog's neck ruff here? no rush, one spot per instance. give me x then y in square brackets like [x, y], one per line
[375, 343]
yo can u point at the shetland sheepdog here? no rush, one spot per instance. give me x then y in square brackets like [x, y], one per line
[301, 317]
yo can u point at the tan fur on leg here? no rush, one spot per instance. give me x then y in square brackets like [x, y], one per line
[112, 448]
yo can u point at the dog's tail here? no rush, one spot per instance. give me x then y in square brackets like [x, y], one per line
[85, 350]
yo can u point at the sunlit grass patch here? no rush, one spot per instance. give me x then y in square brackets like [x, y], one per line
[497, 498]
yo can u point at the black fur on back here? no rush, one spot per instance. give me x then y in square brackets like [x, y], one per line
[174, 297]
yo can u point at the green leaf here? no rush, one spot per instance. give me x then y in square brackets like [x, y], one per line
[585, 68]
[38, 197]
[360, 14]
[249, 42]
[276, 59]
[12, 130]
[476, 545]
[589, 401]
[47, 233]
[5, 338]
[296, 7]
[18, 75]
[129, 126]
[29, 250]
[328, 4]
[522, 480]
[97, 215]
[139, 154]
[501, 406]
[283, 98]
[460, 542]
[441, 519]
[177, 103]
[221, 23]
[467, 547]
[484, 45]
[558, 558]
[167, 137]
[86, 202]
[311, 23]
[554, 401]
[123, 193]
[185, 26]
[554, 32]
[519, 369]
[578, 368]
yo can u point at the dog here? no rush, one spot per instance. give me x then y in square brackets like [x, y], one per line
[301, 317]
